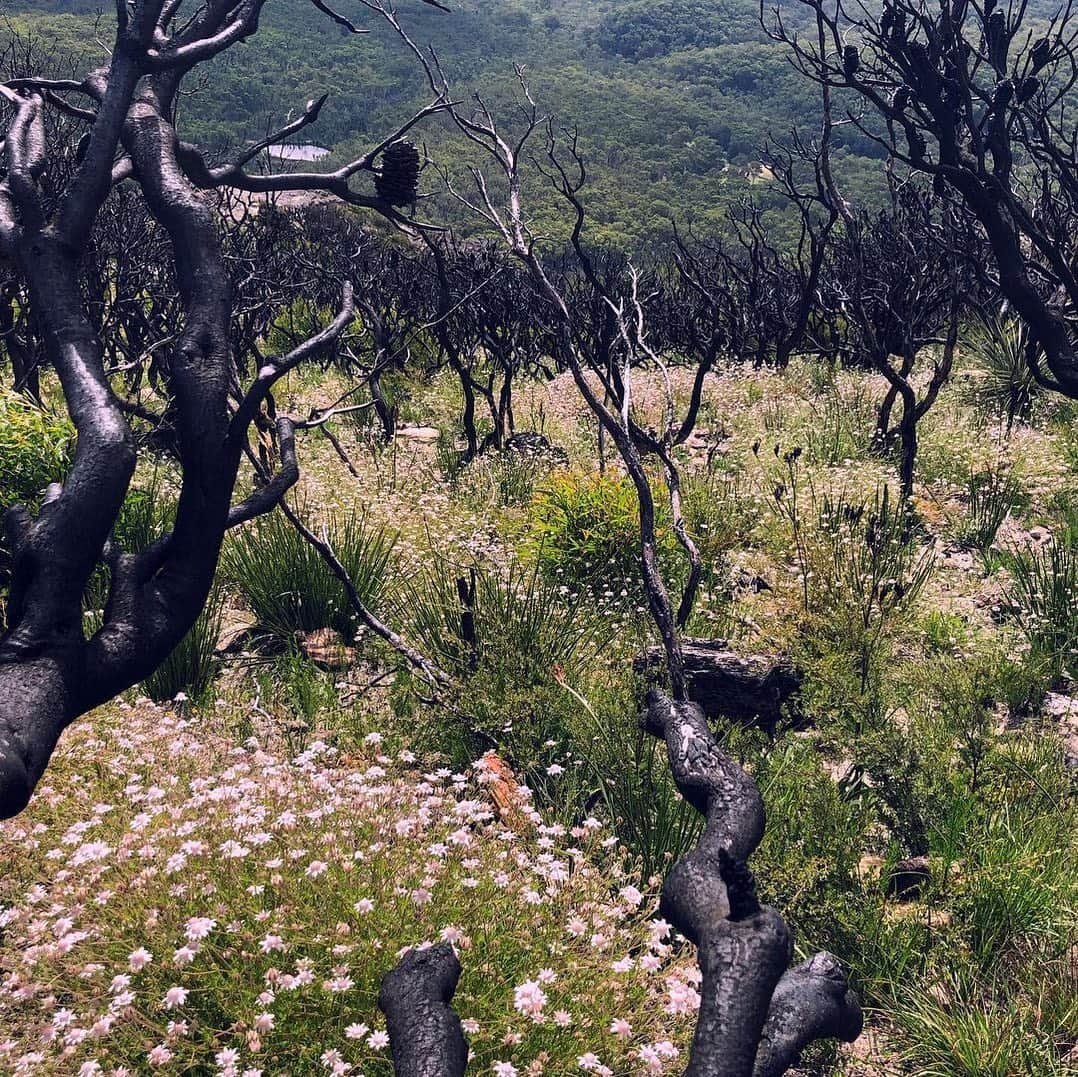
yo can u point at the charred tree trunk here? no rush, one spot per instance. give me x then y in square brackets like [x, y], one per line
[757, 1014]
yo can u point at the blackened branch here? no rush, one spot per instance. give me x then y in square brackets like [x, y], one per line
[812, 1002]
[755, 1016]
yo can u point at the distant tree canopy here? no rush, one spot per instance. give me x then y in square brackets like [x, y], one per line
[640, 30]
[673, 101]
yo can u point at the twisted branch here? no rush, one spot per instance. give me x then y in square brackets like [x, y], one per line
[755, 1016]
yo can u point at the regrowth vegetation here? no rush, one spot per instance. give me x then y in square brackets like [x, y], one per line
[435, 623]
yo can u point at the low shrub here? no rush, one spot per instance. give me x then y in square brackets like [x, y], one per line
[36, 448]
[585, 530]
[1004, 386]
[865, 570]
[520, 652]
[990, 496]
[1043, 596]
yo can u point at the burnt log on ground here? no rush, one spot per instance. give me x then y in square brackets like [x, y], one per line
[535, 446]
[749, 688]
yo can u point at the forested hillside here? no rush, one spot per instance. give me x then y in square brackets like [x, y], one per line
[673, 100]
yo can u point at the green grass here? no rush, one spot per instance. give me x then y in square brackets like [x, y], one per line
[288, 586]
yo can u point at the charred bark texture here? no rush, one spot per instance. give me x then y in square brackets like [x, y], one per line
[755, 1015]
[425, 1035]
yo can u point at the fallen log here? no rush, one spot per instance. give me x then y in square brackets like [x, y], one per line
[749, 688]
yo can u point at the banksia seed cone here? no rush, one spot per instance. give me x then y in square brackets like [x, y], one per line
[851, 61]
[1042, 53]
[1029, 89]
[398, 182]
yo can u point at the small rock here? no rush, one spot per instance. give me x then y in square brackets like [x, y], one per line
[326, 648]
[870, 867]
[235, 624]
[419, 433]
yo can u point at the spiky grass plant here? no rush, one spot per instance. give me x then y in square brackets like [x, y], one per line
[522, 653]
[191, 668]
[1043, 596]
[868, 571]
[990, 496]
[521, 625]
[1005, 387]
[288, 586]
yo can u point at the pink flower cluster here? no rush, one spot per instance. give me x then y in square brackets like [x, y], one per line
[198, 906]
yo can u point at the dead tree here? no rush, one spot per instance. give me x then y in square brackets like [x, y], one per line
[756, 1014]
[966, 93]
[898, 283]
[50, 673]
[509, 335]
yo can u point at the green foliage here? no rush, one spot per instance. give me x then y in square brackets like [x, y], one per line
[971, 1028]
[840, 427]
[608, 66]
[36, 449]
[814, 838]
[497, 479]
[1043, 597]
[1004, 386]
[654, 825]
[640, 30]
[990, 496]
[585, 532]
[288, 586]
[943, 632]
[524, 630]
[300, 692]
[193, 664]
[522, 657]
[1063, 506]
[866, 573]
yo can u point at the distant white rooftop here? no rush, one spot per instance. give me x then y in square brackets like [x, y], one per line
[287, 151]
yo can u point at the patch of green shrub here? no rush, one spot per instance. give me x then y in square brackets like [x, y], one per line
[864, 572]
[990, 496]
[1004, 386]
[517, 649]
[36, 449]
[1043, 596]
[585, 530]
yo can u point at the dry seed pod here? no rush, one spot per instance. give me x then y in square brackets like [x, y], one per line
[398, 182]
